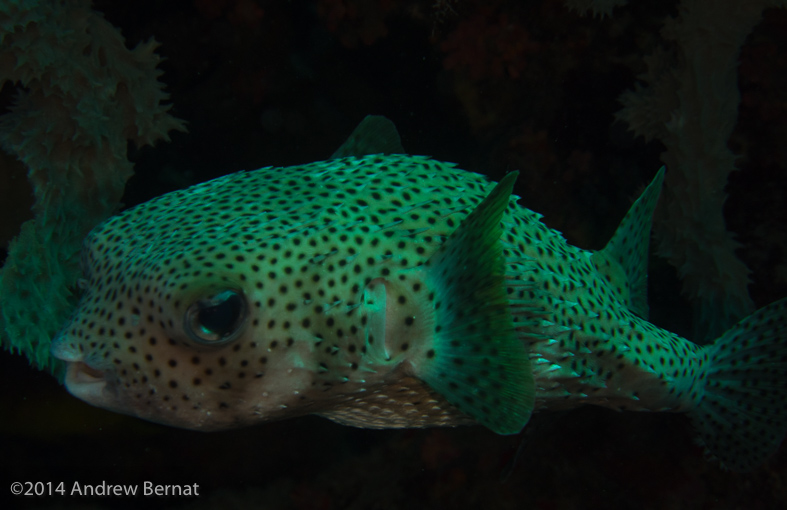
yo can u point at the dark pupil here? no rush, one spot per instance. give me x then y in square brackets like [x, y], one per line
[221, 318]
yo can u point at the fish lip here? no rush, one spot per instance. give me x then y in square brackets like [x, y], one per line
[61, 350]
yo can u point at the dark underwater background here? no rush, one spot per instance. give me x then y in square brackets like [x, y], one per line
[493, 86]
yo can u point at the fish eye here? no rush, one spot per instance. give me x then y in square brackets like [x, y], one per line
[218, 319]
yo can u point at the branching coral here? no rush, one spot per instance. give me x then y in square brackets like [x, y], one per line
[489, 45]
[82, 95]
[690, 103]
[355, 20]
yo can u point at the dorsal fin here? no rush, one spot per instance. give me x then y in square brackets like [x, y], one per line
[624, 260]
[477, 362]
[374, 135]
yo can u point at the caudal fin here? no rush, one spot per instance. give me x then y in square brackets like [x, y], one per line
[742, 417]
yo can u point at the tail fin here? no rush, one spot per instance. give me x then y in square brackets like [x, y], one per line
[742, 417]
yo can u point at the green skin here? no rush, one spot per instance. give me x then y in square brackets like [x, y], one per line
[329, 289]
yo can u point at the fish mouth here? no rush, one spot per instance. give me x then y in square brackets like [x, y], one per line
[86, 383]
[82, 373]
[82, 380]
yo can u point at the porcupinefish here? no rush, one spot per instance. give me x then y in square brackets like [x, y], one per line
[389, 290]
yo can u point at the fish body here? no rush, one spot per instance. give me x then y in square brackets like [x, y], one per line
[395, 291]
